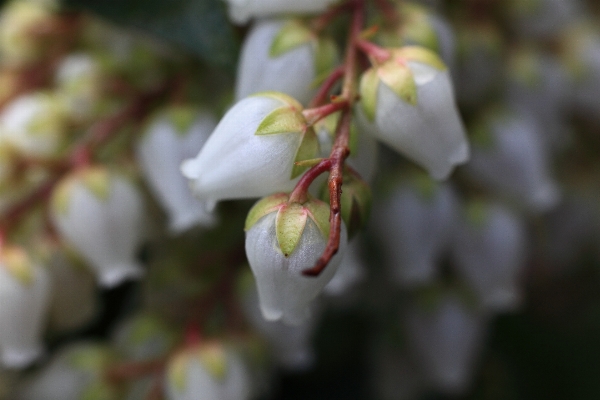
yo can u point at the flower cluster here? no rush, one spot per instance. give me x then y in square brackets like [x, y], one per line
[400, 160]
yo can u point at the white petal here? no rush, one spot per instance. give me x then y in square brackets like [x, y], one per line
[240, 11]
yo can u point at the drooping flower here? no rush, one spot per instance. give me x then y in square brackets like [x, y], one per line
[24, 300]
[445, 341]
[407, 102]
[276, 50]
[489, 252]
[252, 151]
[210, 369]
[172, 136]
[414, 226]
[101, 215]
[240, 11]
[282, 240]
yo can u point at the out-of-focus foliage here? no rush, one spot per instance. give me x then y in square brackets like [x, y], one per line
[198, 26]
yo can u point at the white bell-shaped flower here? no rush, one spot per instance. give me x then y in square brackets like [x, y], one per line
[76, 372]
[75, 301]
[291, 346]
[489, 252]
[252, 151]
[211, 371]
[24, 300]
[283, 240]
[407, 102]
[414, 226]
[241, 11]
[101, 214]
[173, 135]
[510, 158]
[269, 57]
[34, 124]
[445, 341]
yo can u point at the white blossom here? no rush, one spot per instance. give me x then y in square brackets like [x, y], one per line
[207, 372]
[489, 252]
[101, 215]
[416, 115]
[244, 158]
[24, 297]
[445, 342]
[161, 150]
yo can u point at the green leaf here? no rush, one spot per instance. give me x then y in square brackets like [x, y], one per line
[308, 150]
[369, 85]
[263, 207]
[198, 26]
[289, 225]
[284, 119]
[400, 79]
[293, 34]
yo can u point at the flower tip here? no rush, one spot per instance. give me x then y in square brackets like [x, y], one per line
[115, 274]
[189, 168]
[21, 358]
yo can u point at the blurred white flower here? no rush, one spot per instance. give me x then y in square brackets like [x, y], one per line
[240, 11]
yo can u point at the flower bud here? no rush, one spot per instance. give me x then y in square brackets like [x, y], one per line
[172, 136]
[240, 11]
[282, 240]
[34, 124]
[489, 252]
[414, 226]
[510, 158]
[24, 296]
[252, 151]
[407, 102]
[215, 371]
[275, 50]
[101, 215]
[445, 342]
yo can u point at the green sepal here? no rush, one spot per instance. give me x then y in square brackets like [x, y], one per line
[177, 371]
[400, 79]
[422, 55]
[425, 185]
[282, 120]
[214, 358]
[326, 56]
[319, 213]
[293, 34]
[265, 206]
[18, 264]
[369, 85]
[289, 225]
[97, 181]
[182, 118]
[309, 163]
[308, 150]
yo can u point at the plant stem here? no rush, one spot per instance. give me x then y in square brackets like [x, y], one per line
[325, 88]
[299, 195]
[340, 149]
[313, 115]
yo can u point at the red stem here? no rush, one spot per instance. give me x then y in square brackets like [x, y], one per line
[324, 20]
[299, 195]
[376, 53]
[340, 150]
[313, 115]
[323, 92]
